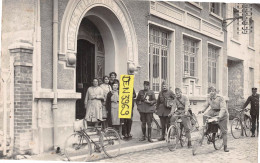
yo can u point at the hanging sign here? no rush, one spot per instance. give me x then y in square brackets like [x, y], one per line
[126, 96]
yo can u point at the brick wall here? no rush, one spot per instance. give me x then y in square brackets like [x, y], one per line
[23, 95]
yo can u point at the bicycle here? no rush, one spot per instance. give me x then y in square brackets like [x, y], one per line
[176, 133]
[212, 132]
[78, 146]
[241, 124]
[194, 122]
[156, 126]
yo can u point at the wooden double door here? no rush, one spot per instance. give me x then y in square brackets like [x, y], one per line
[85, 72]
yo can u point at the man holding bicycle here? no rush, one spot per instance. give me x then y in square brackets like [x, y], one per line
[218, 109]
[254, 111]
[181, 103]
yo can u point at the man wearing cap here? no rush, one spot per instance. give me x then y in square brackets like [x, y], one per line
[145, 105]
[163, 107]
[254, 112]
[218, 109]
[181, 107]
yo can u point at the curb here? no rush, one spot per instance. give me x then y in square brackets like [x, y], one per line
[127, 150]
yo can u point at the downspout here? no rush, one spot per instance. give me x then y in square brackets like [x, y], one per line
[38, 77]
[55, 66]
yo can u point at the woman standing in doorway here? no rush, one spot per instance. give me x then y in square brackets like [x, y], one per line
[93, 103]
[112, 78]
[112, 104]
[106, 89]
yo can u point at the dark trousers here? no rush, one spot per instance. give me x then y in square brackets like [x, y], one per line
[255, 118]
[127, 126]
[165, 123]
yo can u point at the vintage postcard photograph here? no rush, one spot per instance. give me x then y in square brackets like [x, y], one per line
[134, 81]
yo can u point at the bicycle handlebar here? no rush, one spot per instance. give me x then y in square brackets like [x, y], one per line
[241, 110]
[182, 115]
[210, 116]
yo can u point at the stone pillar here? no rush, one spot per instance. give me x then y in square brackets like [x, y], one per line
[22, 52]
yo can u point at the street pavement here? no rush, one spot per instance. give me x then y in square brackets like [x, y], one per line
[244, 149]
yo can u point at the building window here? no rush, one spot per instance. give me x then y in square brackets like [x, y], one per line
[158, 57]
[235, 24]
[251, 33]
[215, 8]
[213, 53]
[190, 47]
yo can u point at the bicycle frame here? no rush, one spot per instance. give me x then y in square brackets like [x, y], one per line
[242, 118]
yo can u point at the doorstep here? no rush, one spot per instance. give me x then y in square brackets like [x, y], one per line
[130, 146]
[127, 146]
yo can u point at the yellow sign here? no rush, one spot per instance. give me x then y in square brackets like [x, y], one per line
[126, 96]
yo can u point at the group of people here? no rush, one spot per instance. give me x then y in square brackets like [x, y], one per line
[169, 106]
[102, 102]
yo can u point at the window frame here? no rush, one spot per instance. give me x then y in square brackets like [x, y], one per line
[251, 23]
[219, 8]
[163, 44]
[195, 55]
[213, 60]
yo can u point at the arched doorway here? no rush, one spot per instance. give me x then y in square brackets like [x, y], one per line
[114, 24]
[90, 61]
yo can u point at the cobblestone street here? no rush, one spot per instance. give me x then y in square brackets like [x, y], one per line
[241, 150]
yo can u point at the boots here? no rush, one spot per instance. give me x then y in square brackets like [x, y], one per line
[189, 144]
[253, 134]
[225, 148]
[163, 134]
[150, 135]
[143, 130]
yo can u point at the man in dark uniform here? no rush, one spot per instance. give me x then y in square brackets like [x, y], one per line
[254, 112]
[162, 110]
[145, 105]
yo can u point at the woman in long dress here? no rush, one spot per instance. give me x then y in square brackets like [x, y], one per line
[93, 102]
[106, 89]
[112, 104]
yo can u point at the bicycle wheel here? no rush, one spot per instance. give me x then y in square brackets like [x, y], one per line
[217, 139]
[156, 128]
[77, 148]
[172, 138]
[183, 138]
[110, 142]
[198, 140]
[247, 126]
[236, 129]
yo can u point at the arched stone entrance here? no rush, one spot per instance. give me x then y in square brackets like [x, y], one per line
[115, 25]
[117, 33]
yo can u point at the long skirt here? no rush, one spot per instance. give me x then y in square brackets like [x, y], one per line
[94, 111]
[114, 114]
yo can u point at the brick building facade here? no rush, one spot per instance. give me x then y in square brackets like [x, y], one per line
[182, 43]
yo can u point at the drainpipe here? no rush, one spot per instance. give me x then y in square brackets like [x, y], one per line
[38, 78]
[55, 66]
